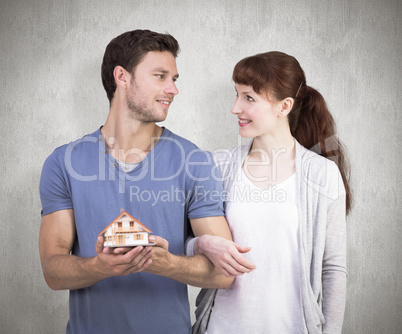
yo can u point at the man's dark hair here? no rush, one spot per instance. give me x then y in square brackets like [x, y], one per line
[128, 50]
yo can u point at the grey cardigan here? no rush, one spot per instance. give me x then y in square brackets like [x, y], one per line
[322, 218]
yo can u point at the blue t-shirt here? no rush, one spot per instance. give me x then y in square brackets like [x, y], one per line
[176, 181]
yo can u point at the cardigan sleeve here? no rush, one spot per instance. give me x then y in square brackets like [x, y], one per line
[334, 271]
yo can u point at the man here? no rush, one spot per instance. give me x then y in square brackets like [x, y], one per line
[161, 179]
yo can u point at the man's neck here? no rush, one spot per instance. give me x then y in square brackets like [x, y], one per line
[129, 140]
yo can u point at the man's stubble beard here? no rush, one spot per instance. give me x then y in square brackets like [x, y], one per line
[139, 110]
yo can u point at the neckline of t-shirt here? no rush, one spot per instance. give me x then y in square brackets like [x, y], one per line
[282, 185]
[115, 165]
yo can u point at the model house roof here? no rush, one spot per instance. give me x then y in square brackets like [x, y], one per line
[125, 216]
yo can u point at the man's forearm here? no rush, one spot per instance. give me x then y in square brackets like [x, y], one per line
[194, 270]
[63, 272]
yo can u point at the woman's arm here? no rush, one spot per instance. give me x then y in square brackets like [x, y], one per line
[334, 274]
[224, 254]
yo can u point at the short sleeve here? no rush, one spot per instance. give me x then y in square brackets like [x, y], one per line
[205, 195]
[53, 189]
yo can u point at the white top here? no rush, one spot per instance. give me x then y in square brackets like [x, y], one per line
[128, 166]
[321, 202]
[268, 299]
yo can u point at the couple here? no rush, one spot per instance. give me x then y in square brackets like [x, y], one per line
[287, 253]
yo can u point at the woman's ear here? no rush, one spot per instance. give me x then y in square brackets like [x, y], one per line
[286, 106]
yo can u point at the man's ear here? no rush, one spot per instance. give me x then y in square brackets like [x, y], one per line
[121, 76]
[286, 106]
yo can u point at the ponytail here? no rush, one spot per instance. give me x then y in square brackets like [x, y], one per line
[313, 126]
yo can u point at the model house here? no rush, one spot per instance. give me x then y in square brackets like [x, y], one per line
[125, 230]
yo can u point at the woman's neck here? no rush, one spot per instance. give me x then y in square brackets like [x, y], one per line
[271, 160]
[270, 146]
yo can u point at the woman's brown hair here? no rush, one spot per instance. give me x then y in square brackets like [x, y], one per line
[280, 76]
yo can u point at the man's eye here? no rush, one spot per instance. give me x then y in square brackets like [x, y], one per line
[249, 98]
[160, 76]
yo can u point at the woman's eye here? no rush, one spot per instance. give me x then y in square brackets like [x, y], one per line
[249, 98]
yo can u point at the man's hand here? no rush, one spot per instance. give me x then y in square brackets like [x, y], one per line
[224, 254]
[62, 270]
[121, 261]
[193, 270]
[160, 259]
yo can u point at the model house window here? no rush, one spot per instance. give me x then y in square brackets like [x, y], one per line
[131, 224]
[120, 239]
[119, 225]
[139, 237]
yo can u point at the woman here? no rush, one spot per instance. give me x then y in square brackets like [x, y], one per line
[286, 202]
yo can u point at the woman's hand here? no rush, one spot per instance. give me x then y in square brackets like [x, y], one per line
[224, 254]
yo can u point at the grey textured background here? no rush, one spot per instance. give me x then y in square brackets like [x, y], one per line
[51, 92]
